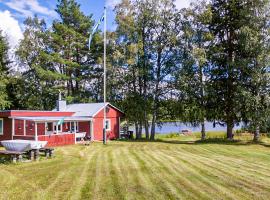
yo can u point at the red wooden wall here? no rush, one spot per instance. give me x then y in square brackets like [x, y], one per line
[58, 140]
[7, 132]
[29, 128]
[114, 116]
[84, 127]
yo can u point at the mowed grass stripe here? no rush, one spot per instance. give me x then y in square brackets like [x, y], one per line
[234, 170]
[241, 185]
[98, 176]
[107, 186]
[116, 179]
[236, 162]
[178, 174]
[82, 178]
[142, 170]
[249, 153]
[154, 172]
[143, 187]
[87, 190]
[212, 187]
[137, 186]
[64, 183]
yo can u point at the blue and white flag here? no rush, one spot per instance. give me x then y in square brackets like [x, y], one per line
[61, 121]
[95, 29]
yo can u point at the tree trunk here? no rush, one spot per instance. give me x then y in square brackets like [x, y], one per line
[203, 137]
[139, 135]
[145, 71]
[257, 134]
[153, 127]
[136, 130]
[156, 95]
[230, 130]
[146, 127]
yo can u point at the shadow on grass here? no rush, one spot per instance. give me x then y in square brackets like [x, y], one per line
[221, 141]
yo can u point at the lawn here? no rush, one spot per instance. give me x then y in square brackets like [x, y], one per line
[171, 168]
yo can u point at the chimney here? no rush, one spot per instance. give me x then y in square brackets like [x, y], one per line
[61, 104]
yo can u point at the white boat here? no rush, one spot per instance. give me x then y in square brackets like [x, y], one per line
[22, 145]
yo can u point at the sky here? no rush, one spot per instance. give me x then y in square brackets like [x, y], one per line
[14, 12]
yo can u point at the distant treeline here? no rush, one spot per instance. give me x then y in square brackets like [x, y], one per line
[208, 62]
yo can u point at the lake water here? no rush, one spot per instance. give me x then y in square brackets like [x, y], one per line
[177, 127]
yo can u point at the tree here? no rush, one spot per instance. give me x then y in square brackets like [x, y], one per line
[192, 78]
[4, 67]
[233, 28]
[131, 56]
[149, 32]
[59, 59]
[38, 84]
[256, 102]
[71, 54]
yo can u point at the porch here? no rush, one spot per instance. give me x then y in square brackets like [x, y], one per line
[56, 131]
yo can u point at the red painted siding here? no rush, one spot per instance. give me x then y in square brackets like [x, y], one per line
[31, 113]
[84, 127]
[113, 115]
[7, 132]
[65, 126]
[15, 113]
[55, 140]
[58, 140]
[30, 128]
[18, 129]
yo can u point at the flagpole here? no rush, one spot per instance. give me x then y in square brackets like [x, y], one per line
[104, 76]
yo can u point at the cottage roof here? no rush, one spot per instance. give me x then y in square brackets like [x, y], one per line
[87, 109]
[53, 119]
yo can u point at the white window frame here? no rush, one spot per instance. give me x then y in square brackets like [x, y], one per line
[56, 126]
[109, 124]
[75, 125]
[2, 133]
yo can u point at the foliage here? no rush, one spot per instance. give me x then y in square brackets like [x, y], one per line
[4, 67]
[207, 62]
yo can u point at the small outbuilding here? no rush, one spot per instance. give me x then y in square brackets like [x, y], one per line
[64, 125]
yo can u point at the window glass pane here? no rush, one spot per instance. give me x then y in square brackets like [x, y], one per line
[108, 124]
[1, 126]
[49, 126]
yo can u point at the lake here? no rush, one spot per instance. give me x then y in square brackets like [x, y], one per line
[177, 127]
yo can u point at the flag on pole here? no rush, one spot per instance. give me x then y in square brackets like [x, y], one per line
[95, 29]
[61, 121]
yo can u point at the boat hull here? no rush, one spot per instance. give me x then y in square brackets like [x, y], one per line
[22, 145]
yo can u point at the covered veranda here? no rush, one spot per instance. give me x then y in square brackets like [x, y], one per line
[55, 130]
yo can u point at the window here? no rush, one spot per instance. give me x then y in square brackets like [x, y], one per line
[74, 127]
[49, 126]
[56, 125]
[108, 124]
[1, 127]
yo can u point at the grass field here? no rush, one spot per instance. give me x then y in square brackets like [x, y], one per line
[171, 168]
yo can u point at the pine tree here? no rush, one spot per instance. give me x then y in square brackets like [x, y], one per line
[235, 27]
[4, 67]
[71, 54]
[37, 86]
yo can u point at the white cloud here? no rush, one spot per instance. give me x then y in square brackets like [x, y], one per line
[29, 7]
[182, 3]
[179, 3]
[112, 3]
[11, 28]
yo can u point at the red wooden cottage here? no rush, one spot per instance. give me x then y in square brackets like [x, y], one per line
[64, 125]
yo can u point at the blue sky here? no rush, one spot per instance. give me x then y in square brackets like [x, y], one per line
[20, 9]
[14, 12]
